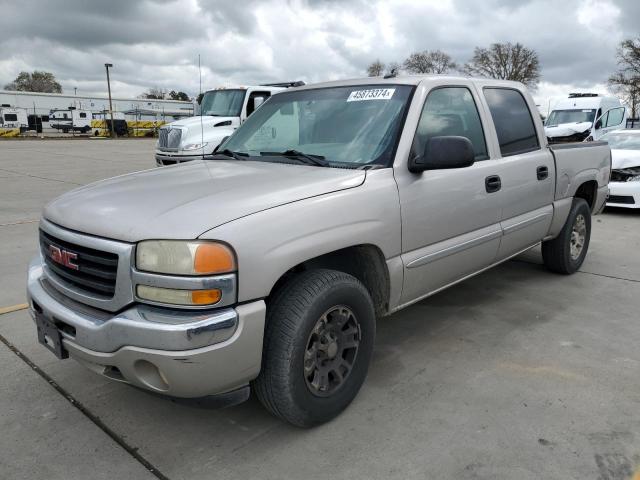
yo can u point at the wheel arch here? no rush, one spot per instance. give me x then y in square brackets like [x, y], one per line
[366, 262]
[588, 191]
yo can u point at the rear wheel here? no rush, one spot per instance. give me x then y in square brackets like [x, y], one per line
[565, 253]
[318, 344]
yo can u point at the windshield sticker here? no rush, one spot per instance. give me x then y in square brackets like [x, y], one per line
[373, 94]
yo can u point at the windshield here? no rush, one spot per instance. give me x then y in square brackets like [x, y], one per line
[623, 141]
[351, 125]
[570, 116]
[222, 103]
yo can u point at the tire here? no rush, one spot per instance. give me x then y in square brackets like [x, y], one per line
[312, 312]
[558, 254]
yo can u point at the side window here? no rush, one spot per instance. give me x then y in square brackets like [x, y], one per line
[11, 117]
[615, 117]
[251, 106]
[64, 115]
[450, 111]
[512, 119]
[83, 115]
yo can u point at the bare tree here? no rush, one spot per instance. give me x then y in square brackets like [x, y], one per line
[35, 82]
[393, 68]
[154, 93]
[435, 61]
[626, 81]
[505, 61]
[375, 69]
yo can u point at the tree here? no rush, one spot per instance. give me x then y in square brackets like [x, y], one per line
[435, 61]
[35, 82]
[626, 81]
[375, 69]
[505, 61]
[173, 95]
[393, 67]
[153, 94]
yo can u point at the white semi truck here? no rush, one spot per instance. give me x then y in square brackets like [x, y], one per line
[222, 110]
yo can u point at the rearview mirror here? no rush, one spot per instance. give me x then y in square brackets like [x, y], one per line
[443, 153]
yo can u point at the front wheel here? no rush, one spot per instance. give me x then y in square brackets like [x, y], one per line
[317, 347]
[565, 253]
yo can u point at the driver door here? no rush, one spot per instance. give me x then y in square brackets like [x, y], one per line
[450, 218]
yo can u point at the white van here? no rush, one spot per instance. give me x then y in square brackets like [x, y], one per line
[584, 117]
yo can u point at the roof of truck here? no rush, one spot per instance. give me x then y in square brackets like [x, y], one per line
[409, 80]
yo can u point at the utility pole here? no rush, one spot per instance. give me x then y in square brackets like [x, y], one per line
[107, 65]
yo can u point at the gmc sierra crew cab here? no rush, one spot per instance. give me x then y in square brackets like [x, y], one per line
[266, 264]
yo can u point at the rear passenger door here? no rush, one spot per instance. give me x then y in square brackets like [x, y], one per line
[527, 171]
[450, 219]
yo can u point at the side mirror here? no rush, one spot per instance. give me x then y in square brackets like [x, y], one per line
[442, 153]
[257, 101]
[224, 139]
[599, 123]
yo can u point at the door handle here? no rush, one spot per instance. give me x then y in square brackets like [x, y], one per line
[492, 183]
[543, 172]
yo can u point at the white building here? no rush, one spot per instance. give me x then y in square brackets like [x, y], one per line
[41, 104]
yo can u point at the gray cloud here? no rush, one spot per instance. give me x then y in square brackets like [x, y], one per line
[156, 43]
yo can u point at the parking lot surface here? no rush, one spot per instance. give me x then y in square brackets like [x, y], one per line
[515, 373]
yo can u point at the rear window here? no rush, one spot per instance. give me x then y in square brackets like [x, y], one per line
[11, 117]
[512, 119]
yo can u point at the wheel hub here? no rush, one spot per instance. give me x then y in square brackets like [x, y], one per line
[331, 351]
[578, 236]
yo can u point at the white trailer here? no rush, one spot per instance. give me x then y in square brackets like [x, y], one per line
[71, 119]
[13, 118]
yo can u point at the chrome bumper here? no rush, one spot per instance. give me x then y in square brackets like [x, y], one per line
[171, 351]
[169, 159]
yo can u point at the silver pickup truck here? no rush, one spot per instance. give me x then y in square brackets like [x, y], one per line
[266, 265]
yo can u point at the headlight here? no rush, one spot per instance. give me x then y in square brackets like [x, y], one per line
[194, 146]
[178, 257]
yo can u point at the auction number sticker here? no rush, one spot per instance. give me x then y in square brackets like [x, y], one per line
[373, 94]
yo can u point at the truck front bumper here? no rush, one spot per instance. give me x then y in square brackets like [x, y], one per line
[165, 158]
[173, 352]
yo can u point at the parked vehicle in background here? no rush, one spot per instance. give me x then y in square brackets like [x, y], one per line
[222, 111]
[584, 117]
[267, 263]
[13, 119]
[624, 186]
[71, 120]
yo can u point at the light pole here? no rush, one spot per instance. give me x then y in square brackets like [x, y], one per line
[107, 65]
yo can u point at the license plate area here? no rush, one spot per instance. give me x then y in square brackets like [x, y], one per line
[49, 335]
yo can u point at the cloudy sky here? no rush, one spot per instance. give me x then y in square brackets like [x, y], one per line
[155, 43]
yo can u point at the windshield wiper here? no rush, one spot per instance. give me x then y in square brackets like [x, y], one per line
[297, 155]
[229, 153]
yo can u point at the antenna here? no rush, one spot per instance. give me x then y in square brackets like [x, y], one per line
[200, 106]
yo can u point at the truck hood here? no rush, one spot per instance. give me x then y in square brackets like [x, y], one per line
[184, 201]
[566, 129]
[625, 158]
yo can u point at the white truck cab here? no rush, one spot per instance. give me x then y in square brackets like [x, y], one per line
[222, 111]
[13, 118]
[71, 119]
[584, 117]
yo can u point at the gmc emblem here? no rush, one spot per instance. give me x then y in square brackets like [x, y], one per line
[63, 257]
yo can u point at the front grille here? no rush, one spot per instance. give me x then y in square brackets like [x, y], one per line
[169, 138]
[626, 199]
[96, 272]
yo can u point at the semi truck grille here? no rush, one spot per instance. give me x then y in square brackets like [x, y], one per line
[169, 138]
[626, 199]
[86, 269]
